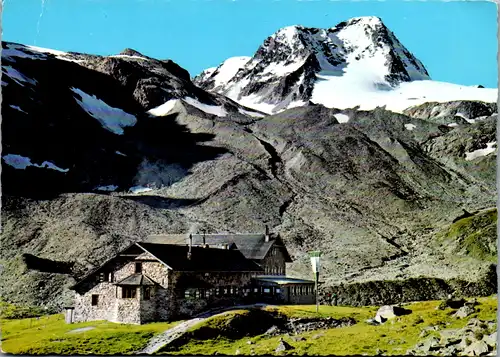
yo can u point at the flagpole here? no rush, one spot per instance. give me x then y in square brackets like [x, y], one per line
[315, 268]
[316, 282]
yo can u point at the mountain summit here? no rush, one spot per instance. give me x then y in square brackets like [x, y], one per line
[357, 62]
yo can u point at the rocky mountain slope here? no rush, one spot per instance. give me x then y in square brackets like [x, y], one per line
[358, 62]
[115, 148]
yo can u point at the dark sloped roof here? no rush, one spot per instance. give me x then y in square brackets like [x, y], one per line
[202, 259]
[193, 282]
[131, 248]
[136, 280]
[253, 246]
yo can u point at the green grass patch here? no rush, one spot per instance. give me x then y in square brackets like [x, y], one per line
[473, 236]
[336, 312]
[394, 337]
[15, 311]
[49, 335]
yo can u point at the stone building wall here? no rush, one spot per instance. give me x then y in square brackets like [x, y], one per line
[128, 310]
[180, 306]
[111, 306]
[105, 309]
[274, 262]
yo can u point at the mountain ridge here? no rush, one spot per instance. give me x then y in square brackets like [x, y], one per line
[299, 64]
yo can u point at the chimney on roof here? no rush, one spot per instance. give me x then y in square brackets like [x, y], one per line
[190, 244]
[267, 234]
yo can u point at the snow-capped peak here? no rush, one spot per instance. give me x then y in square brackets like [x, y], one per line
[291, 62]
[366, 20]
[287, 35]
[224, 72]
[358, 62]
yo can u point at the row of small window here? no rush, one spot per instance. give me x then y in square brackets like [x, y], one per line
[275, 270]
[302, 290]
[128, 293]
[206, 293]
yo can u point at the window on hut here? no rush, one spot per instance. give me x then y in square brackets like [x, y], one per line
[255, 290]
[95, 300]
[147, 292]
[278, 290]
[138, 267]
[187, 294]
[267, 290]
[128, 292]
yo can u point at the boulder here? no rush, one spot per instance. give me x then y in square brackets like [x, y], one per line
[283, 346]
[451, 303]
[464, 344]
[449, 351]
[464, 311]
[491, 325]
[428, 345]
[474, 322]
[431, 344]
[491, 340]
[477, 348]
[273, 330]
[387, 312]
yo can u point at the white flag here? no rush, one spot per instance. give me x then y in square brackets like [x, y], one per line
[315, 264]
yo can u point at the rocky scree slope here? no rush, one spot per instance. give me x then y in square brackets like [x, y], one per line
[356, 184]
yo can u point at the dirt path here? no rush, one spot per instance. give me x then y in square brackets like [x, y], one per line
[168, 336]
[172, 334]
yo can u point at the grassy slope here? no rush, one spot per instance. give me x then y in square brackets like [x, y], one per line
[48, 335]
[473, 236]
[395, 337]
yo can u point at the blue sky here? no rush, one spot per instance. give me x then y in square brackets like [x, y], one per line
[456, 41]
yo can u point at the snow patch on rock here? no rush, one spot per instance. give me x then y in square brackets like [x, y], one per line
[140, 189]
[17, 76]
[109, 188]
[481, 152]
[209, 109]
[342, 118]
[17, 108]
[22, 162]
[164, 109]
[112, 119]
